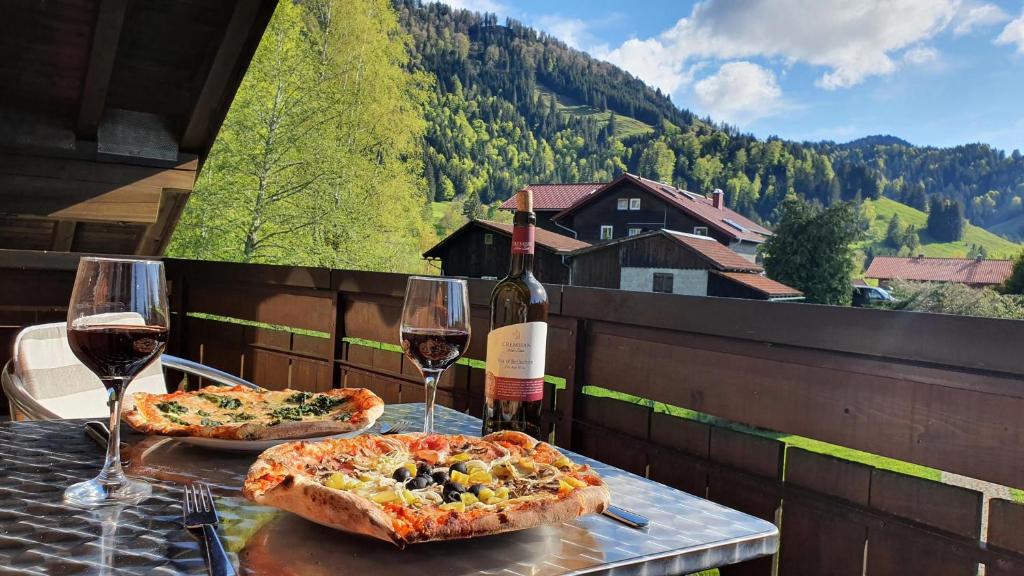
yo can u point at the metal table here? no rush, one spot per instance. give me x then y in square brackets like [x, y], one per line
[40, 535]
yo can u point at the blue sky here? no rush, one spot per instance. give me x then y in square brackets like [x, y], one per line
[934, 72]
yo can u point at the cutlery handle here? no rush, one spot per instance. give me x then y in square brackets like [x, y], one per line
[626, 517]
[216, 558]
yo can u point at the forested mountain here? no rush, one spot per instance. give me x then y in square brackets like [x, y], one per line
[505, 110]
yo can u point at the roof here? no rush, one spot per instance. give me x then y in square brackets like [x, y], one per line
[720, 257]
[963, 270]
[555, 197]
[108, 110]
[724, 220]
[544, 238]
[762, 284]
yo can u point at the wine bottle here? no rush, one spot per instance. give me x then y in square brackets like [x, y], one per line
[516, 344]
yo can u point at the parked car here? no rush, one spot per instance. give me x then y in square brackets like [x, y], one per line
[865, 296]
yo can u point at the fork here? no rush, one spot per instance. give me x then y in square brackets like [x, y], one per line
[201, 514]
[397, 427]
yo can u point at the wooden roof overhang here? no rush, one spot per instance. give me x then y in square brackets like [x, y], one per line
[108, 109]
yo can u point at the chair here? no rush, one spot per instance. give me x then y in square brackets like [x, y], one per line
[45, 380]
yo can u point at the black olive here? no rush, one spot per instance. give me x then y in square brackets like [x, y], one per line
[459, 467]
[452, 491]
[420, 482]
[402, 474]
[423, 469]
[475, 489]
[440, 477]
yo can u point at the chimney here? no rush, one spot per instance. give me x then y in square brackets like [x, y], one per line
[718, 198]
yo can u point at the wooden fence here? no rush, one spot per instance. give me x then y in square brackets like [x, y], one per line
[945, 392]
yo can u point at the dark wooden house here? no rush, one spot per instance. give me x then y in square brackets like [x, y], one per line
[631, 205]
[550, 199]
[483, 249]
[675, 263]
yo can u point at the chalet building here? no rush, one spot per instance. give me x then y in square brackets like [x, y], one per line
[677, 263]
[483, 249]
[550, 199]
[976, 273]
[631, 205]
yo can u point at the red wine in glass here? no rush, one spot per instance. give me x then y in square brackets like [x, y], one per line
[434, 349]
[117, 325]
[435, 330]
[117, 352]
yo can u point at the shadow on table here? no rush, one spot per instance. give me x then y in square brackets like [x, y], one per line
[292, 545]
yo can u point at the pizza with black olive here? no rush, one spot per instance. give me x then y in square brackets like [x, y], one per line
[412, 488]
[240, 413]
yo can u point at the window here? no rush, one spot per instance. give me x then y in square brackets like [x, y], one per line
[635, 231]
[488, 239]
[634, 203]
[607, 233]
[700, 230]
[623, 203]
[663, 282]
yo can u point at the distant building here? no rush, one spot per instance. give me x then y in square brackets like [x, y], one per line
[631, 205]
[973, 272]
[483, 249]
[677, 263]
[550, 199]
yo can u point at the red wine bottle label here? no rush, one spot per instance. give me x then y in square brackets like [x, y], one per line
[515, 362]
[522, 240]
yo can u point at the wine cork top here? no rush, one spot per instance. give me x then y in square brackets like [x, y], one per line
[524, 200]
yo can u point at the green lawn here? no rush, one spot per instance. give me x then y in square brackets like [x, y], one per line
[997, 246]
[625, 126]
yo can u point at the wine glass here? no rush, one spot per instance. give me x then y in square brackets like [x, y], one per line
[435, 330]
[117, 325]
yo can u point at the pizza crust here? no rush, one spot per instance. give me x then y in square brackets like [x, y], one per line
[144, 417]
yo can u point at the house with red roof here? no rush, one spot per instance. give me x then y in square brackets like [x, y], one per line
[974, 272]
[550, 199]
[631, 205]
[675, 262]
[483, 249]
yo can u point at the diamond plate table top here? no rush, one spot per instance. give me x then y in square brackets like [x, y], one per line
[41, 535]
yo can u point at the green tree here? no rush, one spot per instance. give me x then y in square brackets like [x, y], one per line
[811, 250]
[1015, 283]
[657, 162]
[894, 233]
[319, 160]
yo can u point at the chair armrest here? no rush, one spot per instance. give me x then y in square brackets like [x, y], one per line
[19, 398]
[205, 372]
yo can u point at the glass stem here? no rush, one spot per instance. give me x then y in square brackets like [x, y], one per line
[112, 475]
[430, 386]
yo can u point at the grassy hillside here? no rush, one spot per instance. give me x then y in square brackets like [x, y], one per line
[624, 125]
[1012, 228]
[997, 246]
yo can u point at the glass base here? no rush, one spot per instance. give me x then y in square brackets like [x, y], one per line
[94, 493]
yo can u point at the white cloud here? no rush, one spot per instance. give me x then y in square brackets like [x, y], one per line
[852, 40]
[972, 16]
[573, 31]
[1013, 33]
[920, 55]
[739, 93]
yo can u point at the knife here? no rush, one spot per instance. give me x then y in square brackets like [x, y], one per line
[631, 519]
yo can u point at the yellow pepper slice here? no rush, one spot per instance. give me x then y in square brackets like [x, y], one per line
[460, 457]
[576, 482]
[385, 497]
[480, 477]
[456, 506]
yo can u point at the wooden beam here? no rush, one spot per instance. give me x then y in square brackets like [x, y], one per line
[154, 239]
[198, 131]
[63, 235]
[102, 55]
